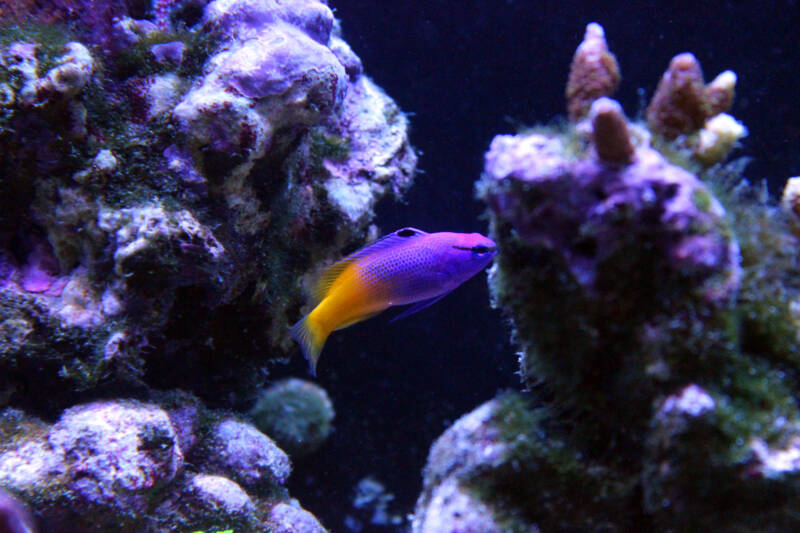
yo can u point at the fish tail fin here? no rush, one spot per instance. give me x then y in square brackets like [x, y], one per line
[311, 338]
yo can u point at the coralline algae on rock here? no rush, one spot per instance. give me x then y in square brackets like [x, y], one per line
[167, 185]
[200, 171]
[247, 455]
[288, 518]
[109, 457]
[654, 313]
[587, 211]
[275, 72]
[134, 466]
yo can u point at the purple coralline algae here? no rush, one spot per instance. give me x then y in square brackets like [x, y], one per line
[288, 518]
[168, 185]
[274, 74]
[135, 466]
[651, 298]
[245, 454]
[588, 210]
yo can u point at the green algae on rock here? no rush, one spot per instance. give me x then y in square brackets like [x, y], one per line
[178, 175]
[296, 413]
[652, 297]
[166, 187]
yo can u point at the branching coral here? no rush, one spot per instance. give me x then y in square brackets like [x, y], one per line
[594, 73]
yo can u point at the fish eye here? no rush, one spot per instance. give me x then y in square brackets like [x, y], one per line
[406, 232]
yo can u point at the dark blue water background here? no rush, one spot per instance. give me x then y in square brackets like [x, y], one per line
[468, 71]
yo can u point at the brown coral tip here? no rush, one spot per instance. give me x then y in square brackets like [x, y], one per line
[610, 136]
[720, 92]
[790, 200]
[594, 73]
[679, 105]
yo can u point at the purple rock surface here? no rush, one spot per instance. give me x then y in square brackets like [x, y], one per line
[247, 455]
[145, 466]
[169, 183]
[585, 211]
[217, 159]
[169, 52]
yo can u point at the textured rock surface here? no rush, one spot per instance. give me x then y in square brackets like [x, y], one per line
[199, 175]
[167, 185]
[144, 467]
[655, 307]
[247, 455]
[287, 518]
[499, 468]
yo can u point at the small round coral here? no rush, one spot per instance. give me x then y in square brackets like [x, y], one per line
[296, 413]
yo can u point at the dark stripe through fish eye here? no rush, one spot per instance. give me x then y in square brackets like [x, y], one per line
[477, 249]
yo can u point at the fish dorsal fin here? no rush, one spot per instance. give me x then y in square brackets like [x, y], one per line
[323, 284]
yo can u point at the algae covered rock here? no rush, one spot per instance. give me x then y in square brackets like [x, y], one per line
[500, 468]
[653, 301]
[109, 458]
[247, 455]
[208, 501]
[192, 169]
[158, 466]
[288, 518]
[167, 186]
[296, 413]
[631, 259]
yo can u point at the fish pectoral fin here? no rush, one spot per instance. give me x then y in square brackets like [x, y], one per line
[419, 306]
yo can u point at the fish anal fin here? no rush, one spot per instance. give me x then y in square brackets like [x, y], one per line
[419, 306]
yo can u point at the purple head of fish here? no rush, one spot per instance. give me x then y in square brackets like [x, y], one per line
[466, 254]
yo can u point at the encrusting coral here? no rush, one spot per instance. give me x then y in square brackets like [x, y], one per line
[655, 312]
